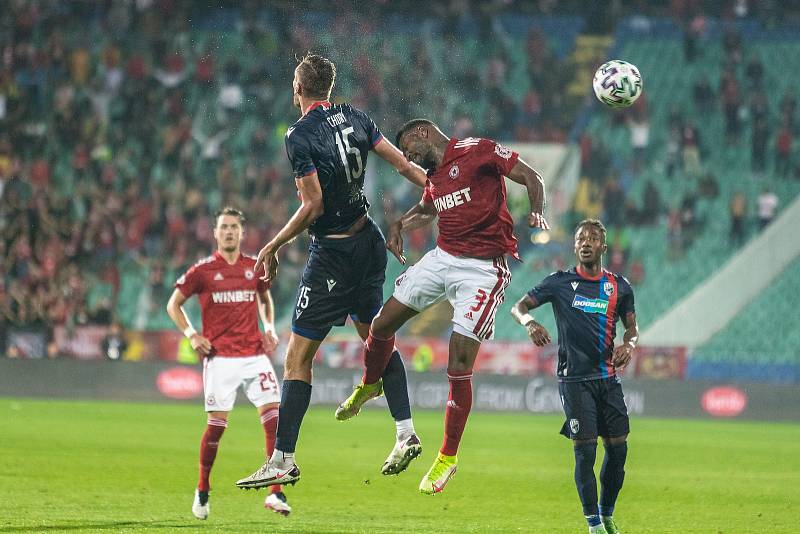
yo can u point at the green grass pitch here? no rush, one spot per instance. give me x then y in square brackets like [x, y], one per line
[116, 467]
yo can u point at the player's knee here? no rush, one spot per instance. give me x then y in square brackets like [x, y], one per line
[618, 440]
[581, 442]
[218, 415]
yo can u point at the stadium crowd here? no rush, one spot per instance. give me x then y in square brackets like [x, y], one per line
[124, 125]
[119, 140]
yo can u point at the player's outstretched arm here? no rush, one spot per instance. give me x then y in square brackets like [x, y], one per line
[311, 208]
[623, 353]
[524, 174]
[422, 214]
[178, 316]
[413, 172]
[520, 311]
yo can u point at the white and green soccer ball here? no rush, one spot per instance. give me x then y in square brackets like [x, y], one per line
[617, 83]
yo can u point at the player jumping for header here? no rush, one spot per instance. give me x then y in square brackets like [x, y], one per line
[466, 189]
[346, 267]
[233, 349]
[587, 302]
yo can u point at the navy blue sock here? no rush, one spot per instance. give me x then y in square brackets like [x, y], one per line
[295, 397]
[395, 387]
[584, 479]
[612, 476]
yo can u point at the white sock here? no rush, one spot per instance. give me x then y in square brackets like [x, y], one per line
[282, 459]
[404, 429]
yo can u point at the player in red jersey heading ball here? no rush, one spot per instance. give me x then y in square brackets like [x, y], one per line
[467, 192]
[232, 298]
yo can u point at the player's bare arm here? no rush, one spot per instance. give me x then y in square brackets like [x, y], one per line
[266, 311]
[520, 311]
[311, 208]
[623, 353]
[422, 214]
[178, 316]
[392, 155]
[524, 174]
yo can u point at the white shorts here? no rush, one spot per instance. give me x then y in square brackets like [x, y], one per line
[475, 288]
[222, 376]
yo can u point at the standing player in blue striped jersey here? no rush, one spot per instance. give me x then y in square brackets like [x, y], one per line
[587, 301]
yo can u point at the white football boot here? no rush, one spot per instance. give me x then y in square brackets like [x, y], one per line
[200, 506]
[277, 503]
[402, 454]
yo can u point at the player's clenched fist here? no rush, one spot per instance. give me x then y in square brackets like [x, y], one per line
[537, 220]
[538, 334]
[270, 340]
[622, 356]
[394, 243]
[200, 344]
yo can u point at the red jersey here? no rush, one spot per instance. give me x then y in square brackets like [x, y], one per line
[228, 303]
[469, 192]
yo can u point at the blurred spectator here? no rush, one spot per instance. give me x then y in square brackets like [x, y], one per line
[613, 202]
[708, 186]
[767, 205]
[639, 127]
[738, 213]
[729, 89]
[114, 343]
[703, 94]
[690, 145]
[755, 72]
[783, 149]
[760, 137]
[651, 203]
[636, 272]
[675, 234]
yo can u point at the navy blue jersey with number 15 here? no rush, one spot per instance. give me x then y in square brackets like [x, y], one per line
[334, 141]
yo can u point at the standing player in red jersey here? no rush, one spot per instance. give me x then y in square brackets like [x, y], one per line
[465, 188]
[232, 298]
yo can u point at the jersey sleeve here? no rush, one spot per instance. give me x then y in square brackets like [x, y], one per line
[501, 158]
[626, 301]
[543, 293]
[299, 151]
[191, 282]
[373, 133]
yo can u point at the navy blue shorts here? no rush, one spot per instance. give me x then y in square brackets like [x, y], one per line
[594, 408]
[342, 277]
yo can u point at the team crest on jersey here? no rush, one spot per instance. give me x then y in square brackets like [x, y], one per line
[502, 151]
[453, 172]
[249, 274]
[574, 426]
[608, 289]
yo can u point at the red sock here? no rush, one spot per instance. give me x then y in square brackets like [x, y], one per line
[208, 450]
[269, 420]
[377, 352]
[458, 406]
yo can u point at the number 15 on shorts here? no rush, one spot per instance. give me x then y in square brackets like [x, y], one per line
[302, 300]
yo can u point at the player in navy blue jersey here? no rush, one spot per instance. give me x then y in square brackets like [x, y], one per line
[328, 149]
[587, 301]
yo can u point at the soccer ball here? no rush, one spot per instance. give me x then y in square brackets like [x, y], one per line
[617, 84]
